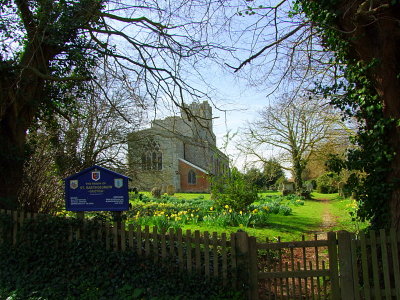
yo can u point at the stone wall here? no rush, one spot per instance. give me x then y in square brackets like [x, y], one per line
[177, 138]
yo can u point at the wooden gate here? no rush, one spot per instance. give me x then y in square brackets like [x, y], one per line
[341, 266]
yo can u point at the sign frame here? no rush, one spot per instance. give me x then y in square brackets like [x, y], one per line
[96, 189]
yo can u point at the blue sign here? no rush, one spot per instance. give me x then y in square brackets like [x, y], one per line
[96, 189]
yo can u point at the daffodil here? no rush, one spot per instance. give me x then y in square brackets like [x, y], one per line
[211, 208]
[227, 206]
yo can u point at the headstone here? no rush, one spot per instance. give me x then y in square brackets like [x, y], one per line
[156, 192]
[170, 190]
[163, 189]
[341, 188]
[309, 187]
[287, 188]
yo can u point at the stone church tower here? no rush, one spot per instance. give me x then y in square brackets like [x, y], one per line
[179, 151]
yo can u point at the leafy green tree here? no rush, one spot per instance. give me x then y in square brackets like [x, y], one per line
[364, 37]
[328, 183]
[256, 177]
[272, 171]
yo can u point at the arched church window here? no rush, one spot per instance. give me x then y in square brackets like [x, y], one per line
[192, 177]
[152, 157]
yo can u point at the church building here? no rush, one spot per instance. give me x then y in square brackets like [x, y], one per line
[179, 150]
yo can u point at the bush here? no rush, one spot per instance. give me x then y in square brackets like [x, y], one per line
[233, 190]
[328, 183]
[277, 204]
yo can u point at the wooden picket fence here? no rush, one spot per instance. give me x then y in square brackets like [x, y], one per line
[341, 266]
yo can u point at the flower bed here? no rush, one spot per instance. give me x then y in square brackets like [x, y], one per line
[171, 212]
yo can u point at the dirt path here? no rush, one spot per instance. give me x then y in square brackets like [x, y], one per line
[328, 221]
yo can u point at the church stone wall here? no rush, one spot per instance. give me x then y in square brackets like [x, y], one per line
[172, 149]
[197, 154]
[177, 138]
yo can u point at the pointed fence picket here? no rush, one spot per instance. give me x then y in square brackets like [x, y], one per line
[341, 266]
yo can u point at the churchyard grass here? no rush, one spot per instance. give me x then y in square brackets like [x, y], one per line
[344, 210]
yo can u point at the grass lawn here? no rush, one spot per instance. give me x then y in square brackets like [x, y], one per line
[342, 209]
[304, 220]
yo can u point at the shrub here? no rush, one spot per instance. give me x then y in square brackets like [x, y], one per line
[233, 190]
[275, 205]
[328, 183]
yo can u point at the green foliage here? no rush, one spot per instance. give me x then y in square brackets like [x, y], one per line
[273, 172]
[277, 204]
[328, 183]
[256, 178]
[227, 217]
[171, 212]
[359, 99]
[233, 190]
[44, 266]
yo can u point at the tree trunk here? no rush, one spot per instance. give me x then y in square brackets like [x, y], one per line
[12, 159]
[374, 34]
[21, 96]
[298, 168]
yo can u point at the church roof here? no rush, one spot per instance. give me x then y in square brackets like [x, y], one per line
[193, 165]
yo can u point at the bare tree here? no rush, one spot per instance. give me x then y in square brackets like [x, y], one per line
[95, 134]
[356, 42]
[49, 49]
[280, 49]
[296, 127]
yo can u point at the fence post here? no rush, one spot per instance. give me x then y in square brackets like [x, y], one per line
[345, 265]
[253, 269]
[333, 266]
[245, 262]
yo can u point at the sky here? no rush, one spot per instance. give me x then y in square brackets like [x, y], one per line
[235, 102]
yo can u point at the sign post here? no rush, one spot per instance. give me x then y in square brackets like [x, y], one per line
[96, 189]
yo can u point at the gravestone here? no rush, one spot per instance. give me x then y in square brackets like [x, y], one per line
[170, 190]
[309, 187]
[287, 188]
[156, 192]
